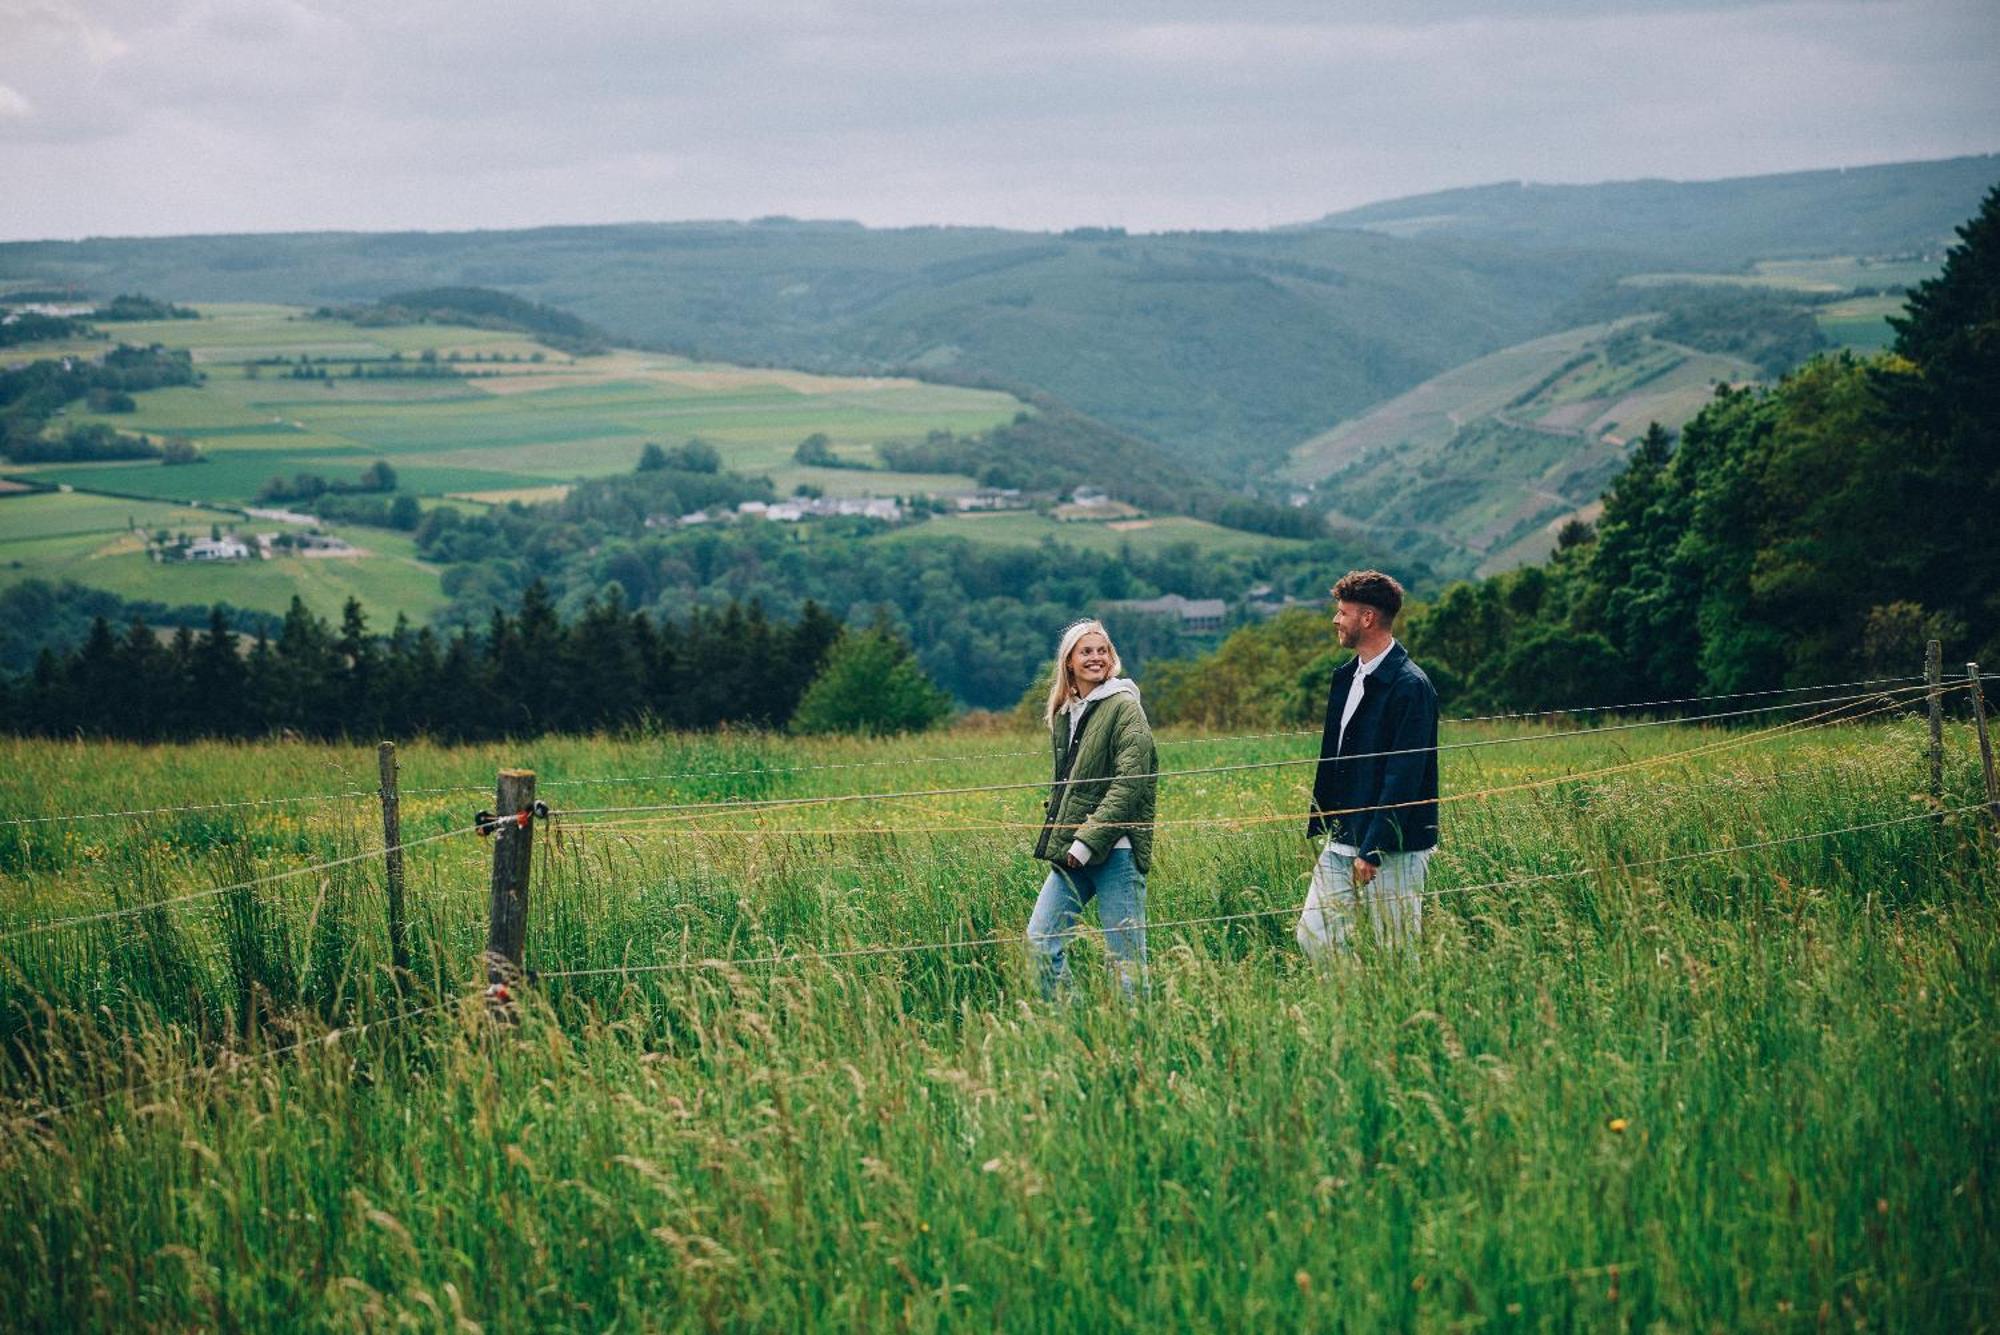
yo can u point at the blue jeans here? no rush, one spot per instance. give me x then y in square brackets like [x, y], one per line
[1119, 888]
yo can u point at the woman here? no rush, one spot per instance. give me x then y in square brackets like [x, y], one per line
[1099, 832]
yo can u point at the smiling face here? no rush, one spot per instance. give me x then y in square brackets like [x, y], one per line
[1090, 662]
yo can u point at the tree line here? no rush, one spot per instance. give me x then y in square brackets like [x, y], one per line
[30, 395]
[525, 673]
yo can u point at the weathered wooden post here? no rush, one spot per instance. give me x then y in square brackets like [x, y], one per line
[513, 842]
[1934, 679]
[1985, 749]
[392, 863]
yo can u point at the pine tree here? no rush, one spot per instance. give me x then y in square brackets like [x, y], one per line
[218, 679]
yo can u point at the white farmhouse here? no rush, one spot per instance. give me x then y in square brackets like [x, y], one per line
[218, 549]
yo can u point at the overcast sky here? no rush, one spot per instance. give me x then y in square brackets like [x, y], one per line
[164, 116]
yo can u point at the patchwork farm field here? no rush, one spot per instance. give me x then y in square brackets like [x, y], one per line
[524, 423]
[1861, 323]
[1833, 273]
[1149, 536]
[91, 540]
[511, 421]
[1698, 1036]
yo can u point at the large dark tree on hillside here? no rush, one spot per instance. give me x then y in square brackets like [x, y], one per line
[1942, 412]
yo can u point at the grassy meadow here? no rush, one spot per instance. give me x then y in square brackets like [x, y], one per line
[1631, 1079]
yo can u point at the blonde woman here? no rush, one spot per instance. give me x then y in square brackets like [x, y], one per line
[1099, 830]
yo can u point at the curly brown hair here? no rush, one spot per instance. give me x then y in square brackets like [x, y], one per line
[1373, 589]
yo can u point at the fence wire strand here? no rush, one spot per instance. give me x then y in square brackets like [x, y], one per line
[917, 947]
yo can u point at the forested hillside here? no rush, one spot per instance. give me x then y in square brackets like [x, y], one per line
[1876, 210]
[1228, 346]
[1820, 530]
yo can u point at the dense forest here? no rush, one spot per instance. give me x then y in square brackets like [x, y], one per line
[981, 617]
[523, 673]
[1820, 530]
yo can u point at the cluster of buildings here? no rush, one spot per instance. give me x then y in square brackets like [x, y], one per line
[792, 511]
[1209, 616]
[257, 547]
[1093, 505]
[993, 498]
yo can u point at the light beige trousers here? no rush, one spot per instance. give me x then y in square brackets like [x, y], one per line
[1394, 901]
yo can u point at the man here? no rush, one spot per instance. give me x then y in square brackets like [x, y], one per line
[1376, 790]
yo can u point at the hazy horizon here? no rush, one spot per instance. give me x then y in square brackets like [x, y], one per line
[968, 225]
[177, 117]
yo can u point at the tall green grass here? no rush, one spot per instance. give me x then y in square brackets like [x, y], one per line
[1753, 1090]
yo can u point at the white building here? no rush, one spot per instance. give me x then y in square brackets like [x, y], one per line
[213, 549]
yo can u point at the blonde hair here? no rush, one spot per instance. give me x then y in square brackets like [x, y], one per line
[1062, 682]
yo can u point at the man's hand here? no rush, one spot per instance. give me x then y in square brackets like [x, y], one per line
[1069, 860]
[1364, 872]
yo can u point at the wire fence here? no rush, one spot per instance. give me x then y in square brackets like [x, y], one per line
[966, 943]
[151, 905]
[345, 795]
[233, 1063]
[774, 803]
[685, 814]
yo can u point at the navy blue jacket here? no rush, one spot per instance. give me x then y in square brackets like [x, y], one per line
[1384, 773]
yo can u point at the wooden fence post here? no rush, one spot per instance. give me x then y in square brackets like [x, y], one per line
[1934, 677]
[513, 842]
[1985, 748]
[392, 861]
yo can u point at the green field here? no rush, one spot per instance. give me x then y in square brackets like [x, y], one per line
[87, 539]
[1861, 323]
[1020, 528]
[1833, 274]
[58, 514]
[1736, 1075]
[508, 424]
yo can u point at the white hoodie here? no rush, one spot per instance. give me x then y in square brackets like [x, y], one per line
[1117, 685]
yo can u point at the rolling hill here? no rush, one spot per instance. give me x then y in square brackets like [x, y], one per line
[1481, 464]
[1875, 210]
[1228, 348]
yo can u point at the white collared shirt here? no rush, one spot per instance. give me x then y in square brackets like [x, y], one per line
[1354, 687]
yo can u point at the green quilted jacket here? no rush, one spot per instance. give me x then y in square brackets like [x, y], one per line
[1097, 805]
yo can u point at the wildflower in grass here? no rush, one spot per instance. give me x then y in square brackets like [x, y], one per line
[1616, 1125]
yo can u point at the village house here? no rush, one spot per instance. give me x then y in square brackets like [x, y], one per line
[992, 498]
[1198, 616]
[218, 549]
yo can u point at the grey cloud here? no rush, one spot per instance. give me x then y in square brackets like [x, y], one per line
[214, 114]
